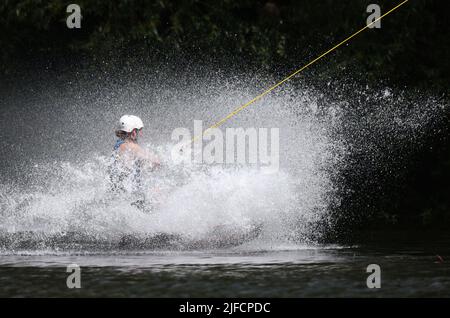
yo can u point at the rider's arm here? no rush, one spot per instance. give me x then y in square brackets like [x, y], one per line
[136, 152]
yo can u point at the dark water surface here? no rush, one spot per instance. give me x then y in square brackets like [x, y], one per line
[332, 271]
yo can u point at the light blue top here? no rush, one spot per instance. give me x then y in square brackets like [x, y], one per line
[118, 143]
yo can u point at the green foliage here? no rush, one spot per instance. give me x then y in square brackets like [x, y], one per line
[410, 47]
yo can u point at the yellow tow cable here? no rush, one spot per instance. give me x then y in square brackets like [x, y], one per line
[239, 109]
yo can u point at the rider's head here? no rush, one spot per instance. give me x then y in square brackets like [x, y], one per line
[130, 126]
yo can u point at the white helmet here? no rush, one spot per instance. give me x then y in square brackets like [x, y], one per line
[128, 123]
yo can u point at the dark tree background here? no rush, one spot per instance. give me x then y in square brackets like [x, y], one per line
[409, 51]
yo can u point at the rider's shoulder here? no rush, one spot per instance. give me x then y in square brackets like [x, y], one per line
[129, 146]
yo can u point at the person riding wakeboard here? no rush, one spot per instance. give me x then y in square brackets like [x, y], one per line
[130, 159]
